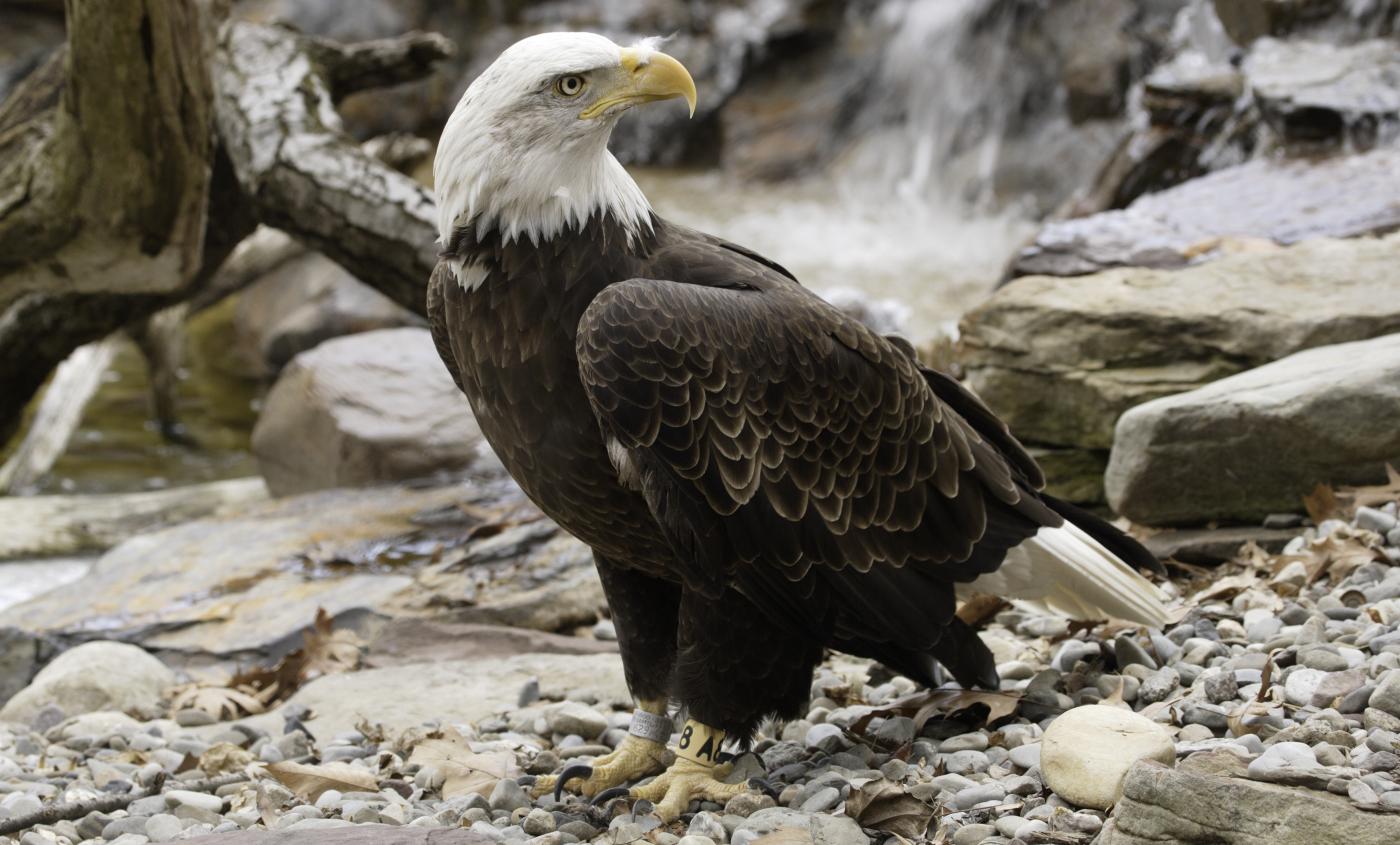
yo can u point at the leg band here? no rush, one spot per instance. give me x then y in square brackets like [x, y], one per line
[700, 743]
[652, 726]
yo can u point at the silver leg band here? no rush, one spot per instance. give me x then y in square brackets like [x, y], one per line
[651, 726]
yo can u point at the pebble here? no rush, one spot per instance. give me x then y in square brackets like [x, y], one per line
[973, 834]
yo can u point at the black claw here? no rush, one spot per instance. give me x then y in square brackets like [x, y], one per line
[570, 773]
[765, 787]
[609, 794]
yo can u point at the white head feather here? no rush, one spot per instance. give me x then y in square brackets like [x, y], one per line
[515, 157]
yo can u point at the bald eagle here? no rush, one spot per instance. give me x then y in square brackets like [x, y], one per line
[760, 476]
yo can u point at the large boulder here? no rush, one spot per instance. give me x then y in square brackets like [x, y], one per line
[306, 301]
[244, 587]
[91, 677]
[1267, 199]
[1061, 358]
[1182, 806]
[1255, 443]
[372, 407]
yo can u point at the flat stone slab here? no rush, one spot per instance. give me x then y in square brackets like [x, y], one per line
[1165, 805]
[1256, 443]
[246, 585]
[1059, 359]
[1284, 201]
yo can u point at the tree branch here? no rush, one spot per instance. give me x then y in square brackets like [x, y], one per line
[304, 176]
[348, 68]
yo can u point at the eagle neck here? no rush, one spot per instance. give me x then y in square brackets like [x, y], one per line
[597, 248]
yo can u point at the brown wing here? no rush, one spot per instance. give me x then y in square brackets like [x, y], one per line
[437, 319]
[770, 428]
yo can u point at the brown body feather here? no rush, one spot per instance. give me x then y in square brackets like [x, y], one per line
[792, 480]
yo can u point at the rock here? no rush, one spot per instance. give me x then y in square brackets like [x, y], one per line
[1387, 695]
[570, 717]
[1240, 208]
[1211, 453]
[1314, 93]
[373, 407]
[1336, 686]
[1106, 342]
[91, 677]
[251, 582]
[1211, 546]
[294, 308]
[1300, 685]
[1165, 805]
[820, 829]
[972, 834]
[21, 655]
[1290, 763]
[404, 696]
[1087, 751]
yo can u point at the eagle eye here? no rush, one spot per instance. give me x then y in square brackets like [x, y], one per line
[569, 86]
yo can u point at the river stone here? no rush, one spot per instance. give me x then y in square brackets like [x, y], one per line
[1088, 750]
[1165, 805]
[819, 829]
[308, 300]
[1268, 199]
[1060, 359]
[1212, 453]
[91, 677]
[372, 407]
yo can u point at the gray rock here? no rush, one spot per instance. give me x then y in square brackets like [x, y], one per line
[1221, 687]
[1336, 686]
[1159, 685]
[1244, 311]
[538, 822]
[1278, 200]
[1340, 86]
[163, 827]
[1166, 805]
[306, 301]
[1129, 653]
[970, 797]
[1387, 695]
[92, 677]
[824, 829]
[508, 795]
[973, 834]
[1375, 520]
[21, 655]
[570, 717]
[337, 832]
[369, 408]
[1205, 454]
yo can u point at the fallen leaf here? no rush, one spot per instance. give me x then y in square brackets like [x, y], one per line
[328, 651]
[924, 705]
[888, 806]
[1380, 494]
[465, 772]
[309, 781]
[224, 758]
[224, 703]
[1321, 504]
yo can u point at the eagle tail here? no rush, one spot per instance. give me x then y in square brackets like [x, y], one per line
[1067, 570]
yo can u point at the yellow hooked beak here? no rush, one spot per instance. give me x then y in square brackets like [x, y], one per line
[647, 76]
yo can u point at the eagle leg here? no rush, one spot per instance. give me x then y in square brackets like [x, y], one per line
[695, 775]
[634, 758]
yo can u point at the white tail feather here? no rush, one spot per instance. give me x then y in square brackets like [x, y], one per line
[1071, 573]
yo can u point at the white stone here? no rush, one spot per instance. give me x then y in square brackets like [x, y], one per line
[1087, 751]
[90, 677]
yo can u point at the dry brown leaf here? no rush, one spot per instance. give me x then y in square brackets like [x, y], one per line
[888, 806]
[224, 758]
[923, 706]
[223, 703]
[1321, 504]
[309, 781]
[1224, 588]
[465, 771]
[1379, 494]
[328, 651]
[1336, 555]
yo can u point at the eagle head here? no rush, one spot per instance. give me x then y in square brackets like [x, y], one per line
[525, 151]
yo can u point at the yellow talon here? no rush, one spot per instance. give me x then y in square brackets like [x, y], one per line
[633, 759]
[686, 781]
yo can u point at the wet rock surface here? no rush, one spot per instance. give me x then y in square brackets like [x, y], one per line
[1212, 453]
[1060, 359]
[373, 407]
[1237, 209]
[248, 584]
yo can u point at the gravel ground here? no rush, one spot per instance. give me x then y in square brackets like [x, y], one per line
[1320, 624]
